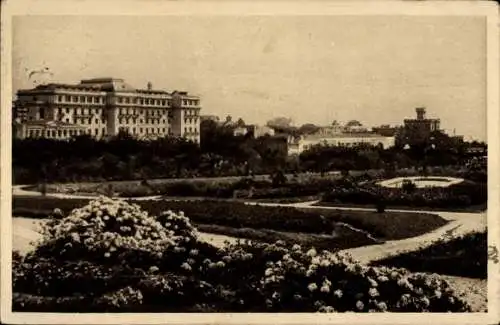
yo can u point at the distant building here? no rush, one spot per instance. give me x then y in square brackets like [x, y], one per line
[386, 130]
[239, 131]
[258, 131]
[419, 130]
[297, 145]
[103, 107]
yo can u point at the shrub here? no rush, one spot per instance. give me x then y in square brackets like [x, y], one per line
[462, 256]
[188, 275]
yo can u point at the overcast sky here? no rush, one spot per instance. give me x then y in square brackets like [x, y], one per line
[312, 69]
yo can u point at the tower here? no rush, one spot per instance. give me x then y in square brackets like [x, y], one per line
[420, 113]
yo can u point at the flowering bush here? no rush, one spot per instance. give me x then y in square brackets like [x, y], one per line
[115, 257]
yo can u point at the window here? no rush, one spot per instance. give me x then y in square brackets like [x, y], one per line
[67, 120]
[185, 129]
[103, 131]
[141, 121]
[65, 132]
[59, 133]
[90, 121]
[163, 130]
[163, 102]
[140, 130]
[118, 99]
[67, 98]
[96, 121]
[96, 131]
[127, 100]
[59, 98]
[133, 130]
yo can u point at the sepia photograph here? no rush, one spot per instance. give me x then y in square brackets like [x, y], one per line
[296, 160]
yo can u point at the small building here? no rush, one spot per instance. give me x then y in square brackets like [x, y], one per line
[297, 145]
[48, 129]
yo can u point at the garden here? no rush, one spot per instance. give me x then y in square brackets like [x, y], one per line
[325, 228]
[114, 256]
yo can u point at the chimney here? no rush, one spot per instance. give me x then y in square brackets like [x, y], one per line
[150, 86]
[420, 113]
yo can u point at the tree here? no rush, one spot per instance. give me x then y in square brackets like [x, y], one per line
[280, 122]
[240, 123]
[308, 128]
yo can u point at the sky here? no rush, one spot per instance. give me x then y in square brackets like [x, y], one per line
[313, 69]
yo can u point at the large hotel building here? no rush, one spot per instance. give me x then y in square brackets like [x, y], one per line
[104, 107]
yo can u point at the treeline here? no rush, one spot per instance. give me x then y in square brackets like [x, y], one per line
[219, 154]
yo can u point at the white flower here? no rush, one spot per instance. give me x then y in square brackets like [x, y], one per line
[373, 292]
[325, 289]
[338, 293]
[311, 253]
[312, 287]
[296, 247]
[186, 266]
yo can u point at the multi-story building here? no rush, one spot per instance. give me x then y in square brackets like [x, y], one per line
[419, 130]
[104, 107]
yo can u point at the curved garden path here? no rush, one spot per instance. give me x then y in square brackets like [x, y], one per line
[460, 223]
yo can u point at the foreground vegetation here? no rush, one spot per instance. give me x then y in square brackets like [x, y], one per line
[110, 256]
[463, 256]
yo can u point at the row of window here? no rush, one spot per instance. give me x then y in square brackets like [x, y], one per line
[78, 110]
[190, 120]
[189, 102]
[64, 133]
[134, 111]
[191, 112]
[142, 131]
[79, 99]
[83, 121]
[190, 130]
[141, 121]
[143, 101]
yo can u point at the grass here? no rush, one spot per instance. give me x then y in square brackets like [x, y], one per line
[344, 240]
[383, 226]
[465, 256]
[386, 225]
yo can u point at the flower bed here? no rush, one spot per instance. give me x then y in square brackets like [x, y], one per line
[463, 256]
[461, 195]
[110, 256]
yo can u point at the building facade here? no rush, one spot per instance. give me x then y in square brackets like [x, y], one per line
[297, 145]
[419, 130]
[104, 107]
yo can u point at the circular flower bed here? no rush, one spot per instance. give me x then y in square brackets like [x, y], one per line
[110, 256]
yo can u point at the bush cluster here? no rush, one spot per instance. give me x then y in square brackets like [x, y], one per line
[462, 256]
[110, 256]
[460, 195]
